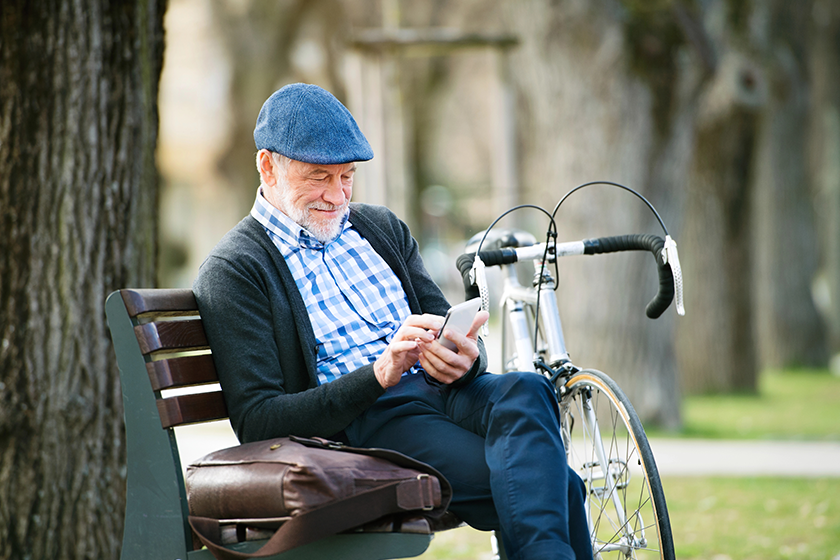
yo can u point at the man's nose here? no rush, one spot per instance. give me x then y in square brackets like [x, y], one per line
[334, 193]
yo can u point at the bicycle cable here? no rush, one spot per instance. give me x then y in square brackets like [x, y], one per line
[506, 212]
[619, 185]
[477, 272]
[550, 234]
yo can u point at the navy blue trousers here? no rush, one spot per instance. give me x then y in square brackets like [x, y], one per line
[497, 441]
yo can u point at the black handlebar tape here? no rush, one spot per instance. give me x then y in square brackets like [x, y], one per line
[489, 258]
[651, 243]
[464, 264]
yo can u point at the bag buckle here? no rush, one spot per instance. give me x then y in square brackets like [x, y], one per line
[428, 493]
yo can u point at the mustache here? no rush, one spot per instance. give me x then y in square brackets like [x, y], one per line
[327, 206]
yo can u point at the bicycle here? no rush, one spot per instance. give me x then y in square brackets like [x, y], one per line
[604, 438]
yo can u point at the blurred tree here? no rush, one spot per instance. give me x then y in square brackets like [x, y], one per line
[78, 195]
[749, 217]
[824, 58]
[789, 330]
[703, 107]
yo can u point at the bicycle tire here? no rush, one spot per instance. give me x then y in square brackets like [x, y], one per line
[642, 502]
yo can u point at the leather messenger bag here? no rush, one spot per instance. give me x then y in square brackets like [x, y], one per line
[300, 490]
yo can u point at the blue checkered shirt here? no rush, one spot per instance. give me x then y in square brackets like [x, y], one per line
[355, 301]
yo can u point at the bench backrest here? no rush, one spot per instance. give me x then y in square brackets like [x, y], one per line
[160, 345]
[172, 340]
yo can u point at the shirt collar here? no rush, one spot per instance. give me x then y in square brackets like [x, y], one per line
[289, 232]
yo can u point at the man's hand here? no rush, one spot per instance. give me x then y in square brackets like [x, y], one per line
[404, 349]
[445, 365]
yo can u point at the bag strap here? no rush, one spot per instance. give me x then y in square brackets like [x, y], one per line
[329, 519]
[391, 456]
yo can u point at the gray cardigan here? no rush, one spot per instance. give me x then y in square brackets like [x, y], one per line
[263, 344]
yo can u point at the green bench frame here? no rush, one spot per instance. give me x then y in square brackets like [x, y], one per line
[160, 344]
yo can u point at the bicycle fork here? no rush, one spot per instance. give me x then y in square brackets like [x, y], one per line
[612, 484]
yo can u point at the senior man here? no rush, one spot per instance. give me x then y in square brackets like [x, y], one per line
[323, 322]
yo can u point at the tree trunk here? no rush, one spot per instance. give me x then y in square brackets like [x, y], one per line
[750, 246]
[717, 351]
[789, 330]
[78, 195]
[825, 160]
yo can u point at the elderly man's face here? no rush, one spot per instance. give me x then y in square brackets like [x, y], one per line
[315, 196]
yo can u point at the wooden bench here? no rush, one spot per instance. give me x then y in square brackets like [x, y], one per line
[160, 344]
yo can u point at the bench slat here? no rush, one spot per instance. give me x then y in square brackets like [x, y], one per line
[182, 372]
[171, 335]
[148, 301]
[189, 409]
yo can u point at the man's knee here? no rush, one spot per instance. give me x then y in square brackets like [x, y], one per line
[529, 384]
[523, 398]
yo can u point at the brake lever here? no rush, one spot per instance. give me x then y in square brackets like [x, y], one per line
[478, 276]
[671, 257]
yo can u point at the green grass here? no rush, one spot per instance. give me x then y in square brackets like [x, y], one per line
[755, 518]
[796, 404]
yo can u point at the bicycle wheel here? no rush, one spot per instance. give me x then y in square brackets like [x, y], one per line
[607, 446]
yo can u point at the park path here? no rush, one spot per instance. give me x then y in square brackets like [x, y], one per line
[674, 457]
[692, 457]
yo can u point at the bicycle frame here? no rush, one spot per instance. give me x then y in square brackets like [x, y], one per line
[518, 303]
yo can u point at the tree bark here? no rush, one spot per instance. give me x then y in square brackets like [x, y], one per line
[78, 195]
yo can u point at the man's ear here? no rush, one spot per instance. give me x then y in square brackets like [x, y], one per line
[265, 165]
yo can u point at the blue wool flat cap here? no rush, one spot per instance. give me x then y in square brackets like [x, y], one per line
[307, 123]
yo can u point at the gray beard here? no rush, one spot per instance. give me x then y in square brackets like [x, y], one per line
[322, 231]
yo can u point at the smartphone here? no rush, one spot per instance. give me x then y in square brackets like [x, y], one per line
[459, 318]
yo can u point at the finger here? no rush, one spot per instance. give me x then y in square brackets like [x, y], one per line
[426, 321]
[480, 318]
[445, 360]
[466, 347]
[402, 355]
[439, 369]
[409, 332]
[398, 357]
[402, 346]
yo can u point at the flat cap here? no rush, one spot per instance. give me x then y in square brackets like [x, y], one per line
[307, 123]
